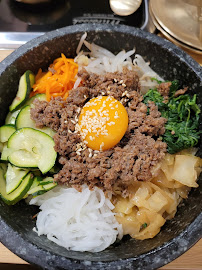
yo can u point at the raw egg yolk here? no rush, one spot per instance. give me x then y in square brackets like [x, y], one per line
[103, 122]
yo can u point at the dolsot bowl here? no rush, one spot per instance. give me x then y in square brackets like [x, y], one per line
[16, 223]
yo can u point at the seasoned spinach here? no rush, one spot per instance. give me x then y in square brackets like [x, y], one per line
[182, 114]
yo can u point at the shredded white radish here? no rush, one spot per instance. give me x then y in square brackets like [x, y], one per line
[77, 82]
[81, 43]
[80, 221]
[102, 60]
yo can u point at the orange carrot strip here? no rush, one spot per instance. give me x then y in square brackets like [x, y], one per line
[59, 80]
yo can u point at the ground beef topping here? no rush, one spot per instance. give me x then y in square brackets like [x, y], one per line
[164, 89]
[132, 159]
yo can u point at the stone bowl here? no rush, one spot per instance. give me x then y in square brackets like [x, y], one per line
[16, 222]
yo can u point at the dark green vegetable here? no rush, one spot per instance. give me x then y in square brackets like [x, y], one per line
[144, 225]
[182, 114]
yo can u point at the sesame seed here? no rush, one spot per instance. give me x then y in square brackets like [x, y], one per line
[123, 84]
[124, 93]
[73, 122]
[78, 110]
[115, 80]
[101, 146]
[76, 118]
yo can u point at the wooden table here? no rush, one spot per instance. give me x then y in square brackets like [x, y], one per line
[192, 259]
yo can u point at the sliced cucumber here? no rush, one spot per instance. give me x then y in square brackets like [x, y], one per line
[14, 177]
[1, 147]
[35, 183]
[5, 152]
[24, 89]
[41, 97]
[18, 193]
[3, 167]
[32, 148]
[5, 132]
[45, 189]
[46, 181]
[11, 116]
[50, 186]
[39, 187]
[24, 120]
[35, 189]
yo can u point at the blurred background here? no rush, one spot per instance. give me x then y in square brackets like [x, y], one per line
[179, 21]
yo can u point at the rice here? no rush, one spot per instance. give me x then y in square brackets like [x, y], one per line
[79, 221]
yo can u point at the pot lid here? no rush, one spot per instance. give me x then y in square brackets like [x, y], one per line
[181, 19]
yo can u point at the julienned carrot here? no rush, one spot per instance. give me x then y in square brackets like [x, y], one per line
[58, 80]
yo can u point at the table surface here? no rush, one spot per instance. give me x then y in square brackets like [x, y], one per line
[192, 259]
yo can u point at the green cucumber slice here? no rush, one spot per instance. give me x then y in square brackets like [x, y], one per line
[50, 186]
[18, 193]
[11, 116]
[41, 97]
[5, 132]
[24, 89]
[14, 176]
[5, 152]
[39, 187]
[32, 148]
[1, 146]
[24, 120]
[45, 181]
[3, 167]
[35, 184]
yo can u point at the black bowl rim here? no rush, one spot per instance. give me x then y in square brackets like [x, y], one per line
[36, 255]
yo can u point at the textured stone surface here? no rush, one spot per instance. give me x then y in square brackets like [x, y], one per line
[16, 223]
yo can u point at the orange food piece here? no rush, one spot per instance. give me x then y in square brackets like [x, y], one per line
[103, 122]
[58, 80]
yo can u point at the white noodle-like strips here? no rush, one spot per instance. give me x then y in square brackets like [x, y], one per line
[80, 221]
[77, 82]
[81, 43]
[102, 60]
